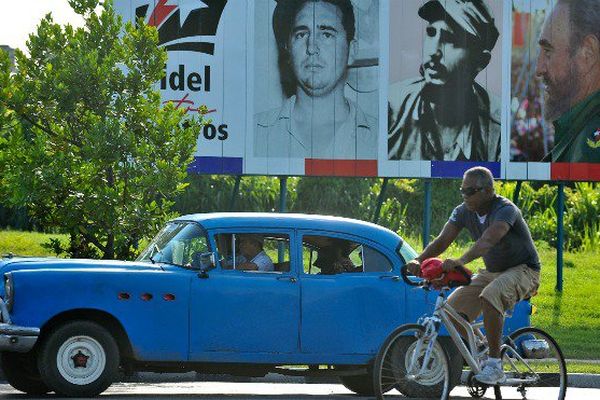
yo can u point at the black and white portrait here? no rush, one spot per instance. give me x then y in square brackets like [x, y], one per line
[316, 91]
[443, 109]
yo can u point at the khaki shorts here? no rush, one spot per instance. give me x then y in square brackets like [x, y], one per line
[501, 289]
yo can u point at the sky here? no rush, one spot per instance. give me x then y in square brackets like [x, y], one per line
[19, 18]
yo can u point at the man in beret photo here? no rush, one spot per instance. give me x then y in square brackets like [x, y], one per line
[443, 114]
[316, 44]
[569, 66]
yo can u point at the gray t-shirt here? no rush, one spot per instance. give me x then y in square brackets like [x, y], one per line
[515, 248]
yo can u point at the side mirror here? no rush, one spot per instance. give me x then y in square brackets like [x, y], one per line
[204, 262]
[207, 260]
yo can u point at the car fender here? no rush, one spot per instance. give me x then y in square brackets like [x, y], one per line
[152, 306]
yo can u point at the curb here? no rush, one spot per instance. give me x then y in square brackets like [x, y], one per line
[583, 381]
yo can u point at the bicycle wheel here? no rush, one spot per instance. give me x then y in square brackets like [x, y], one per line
[398, 365]
[534, 365]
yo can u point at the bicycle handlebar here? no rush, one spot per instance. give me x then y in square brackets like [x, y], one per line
[407, 280]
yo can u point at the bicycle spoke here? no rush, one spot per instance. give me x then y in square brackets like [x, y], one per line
[534, 366]
[398, 355]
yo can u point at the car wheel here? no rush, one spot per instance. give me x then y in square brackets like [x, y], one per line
[362, 385]
[79, 359]
[21, 372]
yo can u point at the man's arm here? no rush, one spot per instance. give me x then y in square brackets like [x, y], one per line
[441, 242]
[492, 235]
[247, 266]
[438, 246]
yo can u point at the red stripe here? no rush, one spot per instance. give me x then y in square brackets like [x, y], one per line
[160, 13]
[319, 167]
[559, 171]
[579, 172]
[594, 172]
[575, 171]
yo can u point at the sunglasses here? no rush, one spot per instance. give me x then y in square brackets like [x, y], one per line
[470, 191]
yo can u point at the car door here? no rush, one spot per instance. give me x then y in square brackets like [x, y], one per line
[238, 315]
[349, 313]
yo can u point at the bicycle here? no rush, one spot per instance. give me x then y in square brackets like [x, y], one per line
[413, 362]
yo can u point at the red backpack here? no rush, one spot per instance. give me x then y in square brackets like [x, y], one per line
[431, 270]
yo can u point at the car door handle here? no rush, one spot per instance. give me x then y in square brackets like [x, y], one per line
[287, 278]
[394, 278]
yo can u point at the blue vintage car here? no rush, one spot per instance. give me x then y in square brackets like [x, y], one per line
[239, 293]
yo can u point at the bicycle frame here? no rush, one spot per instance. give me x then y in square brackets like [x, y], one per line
[444, 313]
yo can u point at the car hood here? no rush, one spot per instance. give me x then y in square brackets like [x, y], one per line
[18, 263]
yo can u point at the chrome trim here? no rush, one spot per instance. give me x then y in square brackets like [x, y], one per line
[4, 314]
[17, 338]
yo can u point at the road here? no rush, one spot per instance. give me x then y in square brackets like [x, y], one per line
[253, 391]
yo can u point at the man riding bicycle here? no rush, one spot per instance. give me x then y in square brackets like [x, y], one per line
[512, 266]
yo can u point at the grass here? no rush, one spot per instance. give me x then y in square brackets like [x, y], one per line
[26, 243]
[572, 318]
[582, 368]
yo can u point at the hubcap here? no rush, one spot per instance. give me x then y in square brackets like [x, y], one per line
[81, 360]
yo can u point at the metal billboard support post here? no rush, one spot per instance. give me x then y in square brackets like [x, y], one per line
[560, 236]
[234, 194]
[427, 213]
[282, 208]
[516, 193]
[282, 193]
[380, 200]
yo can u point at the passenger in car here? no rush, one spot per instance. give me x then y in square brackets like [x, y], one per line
[253, 257]
[334, 259]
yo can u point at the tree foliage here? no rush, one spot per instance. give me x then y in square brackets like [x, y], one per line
[98, 156]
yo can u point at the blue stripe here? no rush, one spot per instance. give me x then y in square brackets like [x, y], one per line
[216, 165]
[456, 169]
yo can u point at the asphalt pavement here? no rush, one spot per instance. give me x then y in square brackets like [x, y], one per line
[591, 381]
[271, 391]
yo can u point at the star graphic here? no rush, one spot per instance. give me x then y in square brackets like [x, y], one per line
[186, 7]
[80, 360]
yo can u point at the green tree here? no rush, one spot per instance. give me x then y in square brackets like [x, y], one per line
[98, 157]
[334, 196]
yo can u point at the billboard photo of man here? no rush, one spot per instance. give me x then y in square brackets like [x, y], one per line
[316, 45]
[444, 114]
[569, 66]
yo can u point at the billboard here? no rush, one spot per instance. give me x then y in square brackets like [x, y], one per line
[389, 88]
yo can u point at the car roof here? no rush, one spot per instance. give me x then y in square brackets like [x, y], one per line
[355, 227]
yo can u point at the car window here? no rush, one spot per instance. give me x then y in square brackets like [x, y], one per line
[406, 252]
[177, 243]
[254, 251]
[324, 255]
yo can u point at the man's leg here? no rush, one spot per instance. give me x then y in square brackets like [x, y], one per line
[502, 294]
[493, 321]
[466, 299]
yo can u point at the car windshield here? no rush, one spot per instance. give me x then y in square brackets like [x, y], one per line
[406, 252]
[178, 243]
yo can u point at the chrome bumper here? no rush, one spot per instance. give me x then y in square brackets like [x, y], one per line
[20, 339]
